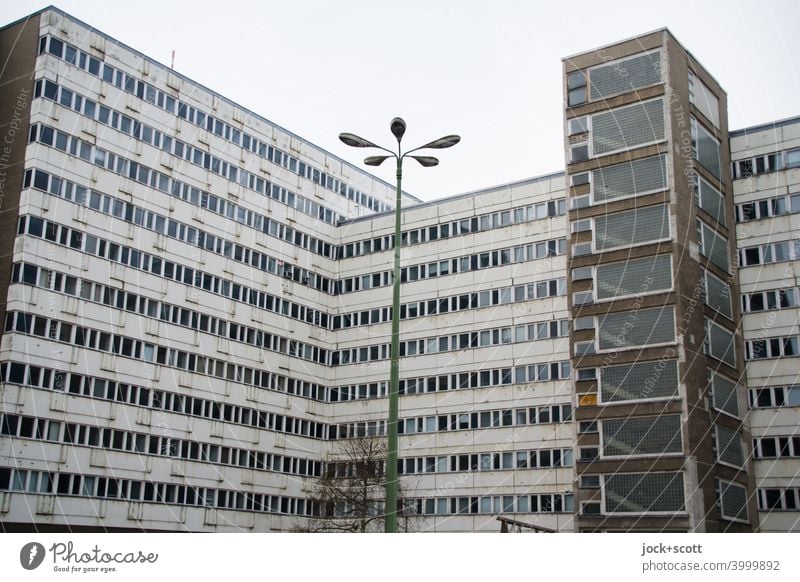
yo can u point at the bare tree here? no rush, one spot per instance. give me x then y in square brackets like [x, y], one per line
[351, 492]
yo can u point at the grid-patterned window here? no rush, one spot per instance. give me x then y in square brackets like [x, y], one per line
[625, 75]
[724, 394]
[706, 149]
[639, 381]
[713, 245]
[733, 501]
[628, 127]
[702, 98]
[630, 178]
[710, 199]
[655, 435]
[719, 343]
[718, 295]
[643, 492]
[729, 446]
[627, 329]
[632, 227]
[634, 277]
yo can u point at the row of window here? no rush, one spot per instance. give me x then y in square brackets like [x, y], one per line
[768, 208]
[481, 379]
[779, 499]
[774, 347]
[769, 253]
[162, 100]
[452, 343]
[776, 447]
[101, 389]
[480, 223]
[464, 264]
[134, 258]
[64, 332]
[551, 413]
[24, 480]
[121, 440]
[541, 503]
[32, 275]
[466, 301]
[536, 459]
[774, 396]
[766, 163]
[173, 229]
[76, 193]
[769, 300]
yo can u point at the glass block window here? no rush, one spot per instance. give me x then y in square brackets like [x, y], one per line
[643, 492]
[625, 75]
[628, 329]
[729, 446]
[723, 393]
[630, 178]
[634, 277]
[710, 199]
[733, 501]
[702, 98]
[639, 381]
[628, 127]
[713, 246]
[706, 149]
[653, 435]
[718, 295]
[719, 344]
[631, 227]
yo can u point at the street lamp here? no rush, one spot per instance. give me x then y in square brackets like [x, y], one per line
[398, 128]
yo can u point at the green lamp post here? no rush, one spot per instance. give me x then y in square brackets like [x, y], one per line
[398, 128]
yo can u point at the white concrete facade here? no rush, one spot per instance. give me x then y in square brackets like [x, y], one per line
[143, 389]
[766, 163]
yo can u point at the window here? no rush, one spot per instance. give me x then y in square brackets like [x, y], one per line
[629, 178]
[728, 446]
[732, 501]
[709, 199]
[644, 493]
[724, 396]
[576, 88]
[647, 327]
[634, 277]
[713, 246]
[702, 98]
[632, 436]
[705, 148]
[627, 127]
[639, 381]
[624, 75]
[719, 343]
[718, 295]
[632, 227]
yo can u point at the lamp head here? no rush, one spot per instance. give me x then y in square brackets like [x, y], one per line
[355, 141]
[398, 127]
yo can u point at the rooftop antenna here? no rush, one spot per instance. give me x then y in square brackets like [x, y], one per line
[172, 65]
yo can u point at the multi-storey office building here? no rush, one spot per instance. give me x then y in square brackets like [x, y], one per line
[766, 188]
[197, 312]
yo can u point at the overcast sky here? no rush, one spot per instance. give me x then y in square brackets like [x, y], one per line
[489, 70]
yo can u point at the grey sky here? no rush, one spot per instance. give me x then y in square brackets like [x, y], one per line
[489, 71]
